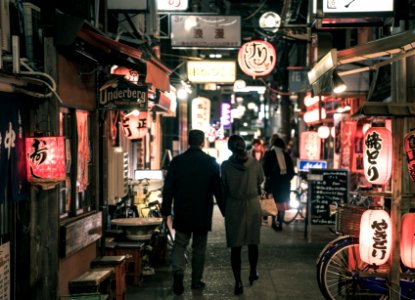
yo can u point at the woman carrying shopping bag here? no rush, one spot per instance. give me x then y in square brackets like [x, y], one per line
[279, 170]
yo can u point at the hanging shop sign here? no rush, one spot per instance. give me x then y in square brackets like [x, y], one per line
[172, 5]
[407, 244]
[257, 58]
[409, 144]
[375, 238]
[12, 148]
[377, 154]
[123, 95]
[310, 145]
[353, 7]
[208, 71]
[346, 139]
[45, 159]
[135, 125]
[306, 165]
[201, 114]
[225, 118]
[204, 31]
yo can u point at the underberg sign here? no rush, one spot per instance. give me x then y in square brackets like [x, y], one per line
[124, 96]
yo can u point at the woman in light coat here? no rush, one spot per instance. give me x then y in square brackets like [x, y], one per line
[242, 176]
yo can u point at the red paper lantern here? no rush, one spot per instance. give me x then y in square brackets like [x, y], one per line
[409, 144]
[257, 58]
[135, 125]
[310, 145]
[375, 240]
[407, 244]
[45, 159]
[377, 154]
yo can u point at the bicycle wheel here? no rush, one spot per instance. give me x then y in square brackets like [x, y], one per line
[325, 253]
[293, 212]
[341, 275]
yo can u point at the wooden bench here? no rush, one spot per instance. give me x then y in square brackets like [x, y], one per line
[118, 263]
[93, 281]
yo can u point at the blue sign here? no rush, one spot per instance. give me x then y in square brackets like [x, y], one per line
[305, 165]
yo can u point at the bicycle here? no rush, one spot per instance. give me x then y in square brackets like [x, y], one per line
[341, 274]
[298, 203]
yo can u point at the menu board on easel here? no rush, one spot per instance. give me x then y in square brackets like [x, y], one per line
[327, 189]
[5, 271]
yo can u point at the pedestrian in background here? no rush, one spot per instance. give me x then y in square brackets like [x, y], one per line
[279, 170]
[192, 179]
[242, 176]
[258, 149]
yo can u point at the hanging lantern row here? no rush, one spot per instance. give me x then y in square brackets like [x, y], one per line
[377, 154]
[45, 159]
[375, 239]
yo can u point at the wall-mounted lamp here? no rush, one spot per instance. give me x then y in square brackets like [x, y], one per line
[338, 84]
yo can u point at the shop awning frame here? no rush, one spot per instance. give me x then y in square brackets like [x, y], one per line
[157, 73]
[400, 46]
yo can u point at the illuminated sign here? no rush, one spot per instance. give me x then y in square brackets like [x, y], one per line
[357, 6]
[203, 31]
[306, 165]
[201, 114]
[257, 58]
[225, 118]
[211, 71]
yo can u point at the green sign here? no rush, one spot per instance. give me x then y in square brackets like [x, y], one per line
[124, 95]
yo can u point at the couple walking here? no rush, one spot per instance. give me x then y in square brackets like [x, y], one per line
[193, 178]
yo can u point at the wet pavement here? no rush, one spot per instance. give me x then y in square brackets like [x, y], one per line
[286, 267]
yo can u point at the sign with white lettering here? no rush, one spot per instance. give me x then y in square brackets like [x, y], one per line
[306, 165]
[124, 95]
[204, 31]
[211, 71]
[357, 6]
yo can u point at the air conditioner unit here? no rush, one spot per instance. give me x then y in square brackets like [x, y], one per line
[117, 174]
[33, 33]
[5, 25]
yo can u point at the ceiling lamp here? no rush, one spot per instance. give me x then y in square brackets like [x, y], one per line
[270, 21]
[338, 84]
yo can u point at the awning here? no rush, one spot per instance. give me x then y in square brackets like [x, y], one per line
[400, 45]
[157, 73]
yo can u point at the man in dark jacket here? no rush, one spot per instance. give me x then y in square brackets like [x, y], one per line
[191, 182]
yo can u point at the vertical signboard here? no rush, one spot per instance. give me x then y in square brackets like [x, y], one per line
[201, 114]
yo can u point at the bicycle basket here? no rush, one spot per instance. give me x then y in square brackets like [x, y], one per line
[348, 219]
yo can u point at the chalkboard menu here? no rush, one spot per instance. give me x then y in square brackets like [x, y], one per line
[326, 189]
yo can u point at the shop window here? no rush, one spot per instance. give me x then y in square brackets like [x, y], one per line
[76, 191]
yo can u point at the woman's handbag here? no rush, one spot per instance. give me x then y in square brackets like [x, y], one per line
[268, 206]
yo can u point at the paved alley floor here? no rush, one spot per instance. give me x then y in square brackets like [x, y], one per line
[286, 267]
